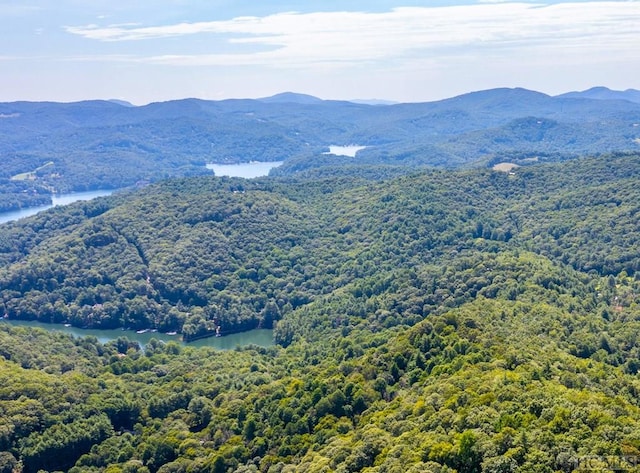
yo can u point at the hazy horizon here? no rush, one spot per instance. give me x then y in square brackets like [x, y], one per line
[401, 51]
[125, 102]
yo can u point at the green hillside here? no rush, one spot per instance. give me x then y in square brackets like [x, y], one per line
[440, 321]
[193, 254]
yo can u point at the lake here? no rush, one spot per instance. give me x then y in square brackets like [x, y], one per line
[246, 170]
[350, 150]
[60, 199]
[260, 337]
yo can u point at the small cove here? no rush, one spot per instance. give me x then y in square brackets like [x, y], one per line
[349, 150]
[56, 199]
[260, 337]
[246, 170]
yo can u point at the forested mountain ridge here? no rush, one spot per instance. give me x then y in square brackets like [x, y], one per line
[52, 147]
[195, 254]
[436, 322]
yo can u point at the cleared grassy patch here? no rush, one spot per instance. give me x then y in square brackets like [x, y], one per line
[31, 175]
[505, 167]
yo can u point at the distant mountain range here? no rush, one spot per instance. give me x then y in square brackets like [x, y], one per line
[603, 93]
[108, 144]
[596, 93]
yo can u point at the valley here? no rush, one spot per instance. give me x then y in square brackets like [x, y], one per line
[421, 314]
[320, 237]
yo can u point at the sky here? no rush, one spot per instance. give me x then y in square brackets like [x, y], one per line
[406, 51]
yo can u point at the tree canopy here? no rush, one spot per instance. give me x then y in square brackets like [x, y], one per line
[439, 321]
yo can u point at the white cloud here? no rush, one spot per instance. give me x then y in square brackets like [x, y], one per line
[330, 39]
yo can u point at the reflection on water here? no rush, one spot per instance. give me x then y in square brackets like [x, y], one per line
[350, 150]
[60, 199]
[260, 337]
[246, 170]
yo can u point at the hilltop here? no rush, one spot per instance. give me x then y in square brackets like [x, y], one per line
[291, 97]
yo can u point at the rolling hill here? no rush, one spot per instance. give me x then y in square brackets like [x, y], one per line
[193, 254]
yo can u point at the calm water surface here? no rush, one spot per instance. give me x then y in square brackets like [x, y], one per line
[246, 170]
[61, 199]
[260, 337]
[350, 150]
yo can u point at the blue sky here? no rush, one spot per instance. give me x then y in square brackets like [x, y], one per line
[410, 51]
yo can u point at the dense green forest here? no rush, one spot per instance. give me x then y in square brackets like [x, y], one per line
[195, 254]
[433, 322]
